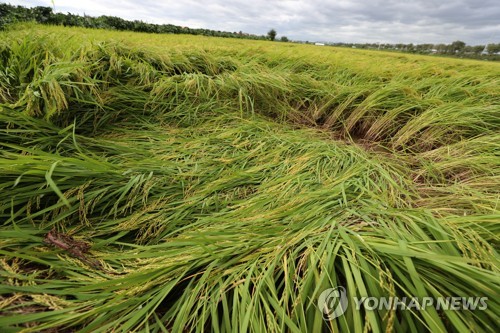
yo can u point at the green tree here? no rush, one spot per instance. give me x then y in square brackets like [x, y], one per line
[271, 35]
[477, 49]
[42, 14]
[493, 48]
[457, 46]
[284, 38]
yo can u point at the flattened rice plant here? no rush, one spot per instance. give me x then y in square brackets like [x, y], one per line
[178, 183]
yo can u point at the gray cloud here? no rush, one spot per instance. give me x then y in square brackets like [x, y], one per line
[417, 21]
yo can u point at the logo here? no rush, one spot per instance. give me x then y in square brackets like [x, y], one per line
[333, 302]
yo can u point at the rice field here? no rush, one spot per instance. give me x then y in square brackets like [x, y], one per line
[170, 183]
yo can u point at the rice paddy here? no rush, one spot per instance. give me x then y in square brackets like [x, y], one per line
[161, 183]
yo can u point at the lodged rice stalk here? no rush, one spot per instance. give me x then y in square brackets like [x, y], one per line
[177, 183]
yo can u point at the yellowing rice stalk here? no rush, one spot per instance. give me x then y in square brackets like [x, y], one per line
[158, 183]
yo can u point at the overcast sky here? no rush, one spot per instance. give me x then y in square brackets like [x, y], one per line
[406, 21]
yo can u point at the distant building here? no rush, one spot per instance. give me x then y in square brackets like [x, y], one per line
[319, 44]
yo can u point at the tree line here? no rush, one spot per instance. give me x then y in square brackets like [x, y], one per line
[457, 48]
[45, 15]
